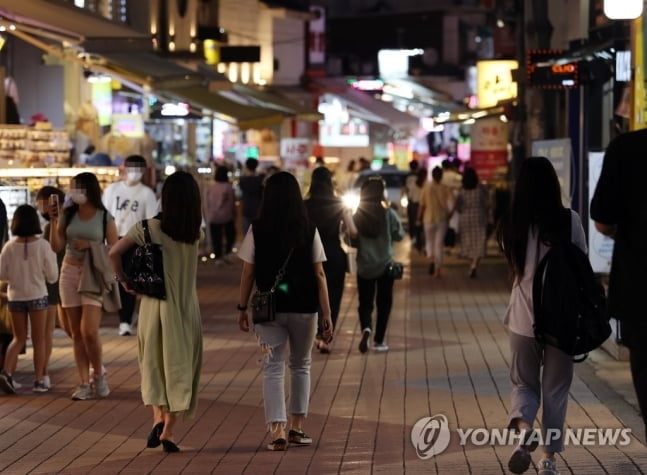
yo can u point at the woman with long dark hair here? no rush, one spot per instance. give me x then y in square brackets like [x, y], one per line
[282, 233]
[327, 213]
[170, 332]
[534, 222]
[83, 224]
[378, 226]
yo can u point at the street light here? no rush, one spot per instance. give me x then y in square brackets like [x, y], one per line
[623, 10]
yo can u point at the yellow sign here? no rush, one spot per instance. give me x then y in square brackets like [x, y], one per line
[638, 116]
[494, 81]
[211, 51]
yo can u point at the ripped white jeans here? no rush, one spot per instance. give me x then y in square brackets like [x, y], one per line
[297, 329]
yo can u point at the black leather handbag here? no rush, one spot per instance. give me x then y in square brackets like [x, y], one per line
[395, 270]
[145, 274]
[263, 304]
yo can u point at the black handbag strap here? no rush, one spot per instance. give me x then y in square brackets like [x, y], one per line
[281, 272]
[147, 234]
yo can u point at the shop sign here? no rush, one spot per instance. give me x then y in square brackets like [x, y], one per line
[560, 153]
[295, 149]
[489, 146]
[317, 37]
[553, 76]
[494, 81]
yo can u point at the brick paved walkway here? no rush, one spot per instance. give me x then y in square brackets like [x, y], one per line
[449, 355]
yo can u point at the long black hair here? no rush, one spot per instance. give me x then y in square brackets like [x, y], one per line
[324, 207]
[282, 216]
[536, 203]
[370, 217]
[181, 208]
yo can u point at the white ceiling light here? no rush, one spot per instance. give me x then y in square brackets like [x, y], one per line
[623, 10]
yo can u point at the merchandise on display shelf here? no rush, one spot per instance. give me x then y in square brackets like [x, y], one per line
[41, 146]
[36, 178]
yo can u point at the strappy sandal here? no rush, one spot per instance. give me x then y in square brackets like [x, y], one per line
[277, 445]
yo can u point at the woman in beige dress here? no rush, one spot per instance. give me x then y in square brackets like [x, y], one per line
[169, 331]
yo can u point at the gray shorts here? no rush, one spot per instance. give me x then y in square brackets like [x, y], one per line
[27, 305]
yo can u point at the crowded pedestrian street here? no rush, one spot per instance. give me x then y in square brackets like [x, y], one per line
[448, 361]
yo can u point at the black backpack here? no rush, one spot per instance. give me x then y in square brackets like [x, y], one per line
[569, 301]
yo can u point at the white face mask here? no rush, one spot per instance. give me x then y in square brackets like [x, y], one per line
[78, 197]
[134, 176]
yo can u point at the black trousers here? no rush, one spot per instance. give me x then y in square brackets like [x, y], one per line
[380, 291]
[217, 231]
[634, 335]
[127, 300]
[335, 269]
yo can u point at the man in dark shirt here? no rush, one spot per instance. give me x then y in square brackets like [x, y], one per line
[619, 209]
[251, 187]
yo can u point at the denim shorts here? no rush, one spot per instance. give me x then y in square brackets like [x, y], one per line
[27, 305]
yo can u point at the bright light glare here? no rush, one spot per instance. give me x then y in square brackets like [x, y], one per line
[623, 10]
[404, 202]
[350, 200]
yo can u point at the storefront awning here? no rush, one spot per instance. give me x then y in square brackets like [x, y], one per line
[266, 97]
[380, 111]
[152, 70]
[76, 25]
[245, 117]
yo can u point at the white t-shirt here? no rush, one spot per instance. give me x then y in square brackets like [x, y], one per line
[247, 248]
[26, 268]
[519, 316]
[129, 204]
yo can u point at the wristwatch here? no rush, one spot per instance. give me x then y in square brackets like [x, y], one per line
[241, 308]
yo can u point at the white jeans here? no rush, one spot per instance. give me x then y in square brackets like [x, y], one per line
[297, 329]
[435, 241]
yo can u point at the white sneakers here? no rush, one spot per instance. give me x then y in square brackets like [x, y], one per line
[125, 329]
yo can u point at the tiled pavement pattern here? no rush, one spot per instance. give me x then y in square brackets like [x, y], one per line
[449, 355]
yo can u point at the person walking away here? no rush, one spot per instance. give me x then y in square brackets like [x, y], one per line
[170, 332]
[220, 210]
[412, 189]
[539, 371]
[472, 206]
[27, 262]
[84, 224]
[436, 201]
[618, 209]
[54, 309]
[282, 234]
[377, 227]
[328, 214]
[251, 188]
[129, 201]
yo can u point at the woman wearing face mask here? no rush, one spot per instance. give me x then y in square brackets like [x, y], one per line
[129, 201]
[78, 229]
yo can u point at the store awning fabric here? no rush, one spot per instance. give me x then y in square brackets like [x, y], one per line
[65, 19]
[272, 100]
[245, 117]
[380, 111]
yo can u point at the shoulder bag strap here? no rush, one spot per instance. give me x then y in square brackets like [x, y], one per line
[281, 272]
[105, 224]
[147, 234]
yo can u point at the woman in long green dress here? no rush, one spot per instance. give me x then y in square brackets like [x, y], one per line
[169, 331]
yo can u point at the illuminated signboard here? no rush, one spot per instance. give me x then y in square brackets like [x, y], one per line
[494, 81]
[542, 74]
